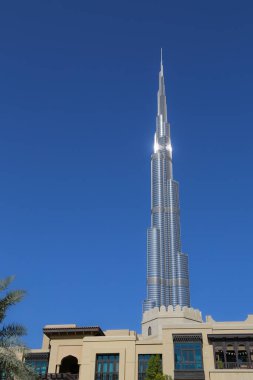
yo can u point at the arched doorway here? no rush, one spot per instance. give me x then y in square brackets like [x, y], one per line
[69, 364]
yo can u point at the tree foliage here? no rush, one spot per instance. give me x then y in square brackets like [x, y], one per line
[154, 370]
[11, 346]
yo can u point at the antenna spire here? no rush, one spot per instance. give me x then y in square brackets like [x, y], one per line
[162, 60]
[161, 96]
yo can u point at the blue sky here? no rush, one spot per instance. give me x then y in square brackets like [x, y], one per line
[77, 118]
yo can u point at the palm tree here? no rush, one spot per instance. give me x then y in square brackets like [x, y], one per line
[11, 346]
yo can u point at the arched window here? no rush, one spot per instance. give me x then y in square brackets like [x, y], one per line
[149, 331]
[230, 354]
[242, 354]
[69, 364]
[219, 357]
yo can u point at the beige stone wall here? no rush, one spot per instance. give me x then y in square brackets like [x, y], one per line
[122, 345]
[158, 319]
[61, 348]
[230, 375]
[147, 347]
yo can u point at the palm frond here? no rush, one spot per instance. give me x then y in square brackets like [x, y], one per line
[12, 330]
[12, 348]
[6, 282]
[13, 366]
[10, 336]
[10, 299]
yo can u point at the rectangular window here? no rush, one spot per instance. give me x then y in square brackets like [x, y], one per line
[107, 367]
[143, 360]
[39, 366]
[188, 356]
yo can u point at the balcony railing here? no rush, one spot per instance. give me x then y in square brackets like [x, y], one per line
[60, 376]
[107, 376]
[234, 365]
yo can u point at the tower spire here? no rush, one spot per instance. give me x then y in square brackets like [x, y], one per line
[162, 60]
[161, 97]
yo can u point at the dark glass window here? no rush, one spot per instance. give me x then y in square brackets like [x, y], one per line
[143, 360]
[107, 367]
[39, 366]
[230, 354]
[188, 356]
[232, 351]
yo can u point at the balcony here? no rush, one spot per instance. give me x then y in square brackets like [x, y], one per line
[234, 365]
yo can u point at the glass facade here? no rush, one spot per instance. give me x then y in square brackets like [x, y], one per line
[107, 367]
[188, 356]
[39, 366]
[143, 360]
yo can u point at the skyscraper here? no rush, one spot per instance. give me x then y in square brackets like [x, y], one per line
[167, 266]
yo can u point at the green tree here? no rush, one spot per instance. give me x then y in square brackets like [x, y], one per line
[11, 346]
[154, 370]
[161, 377]
[154, 367]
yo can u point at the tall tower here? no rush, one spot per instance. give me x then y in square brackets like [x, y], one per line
[167, 266]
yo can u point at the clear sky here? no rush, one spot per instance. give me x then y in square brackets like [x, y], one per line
[78, 83]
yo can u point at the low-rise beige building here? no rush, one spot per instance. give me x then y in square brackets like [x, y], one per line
[188, 347]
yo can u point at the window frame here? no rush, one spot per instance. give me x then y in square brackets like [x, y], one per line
[101, 375]
[188, 353]
[142, 375]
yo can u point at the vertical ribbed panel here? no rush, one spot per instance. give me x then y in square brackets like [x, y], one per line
[153, 270]
[147, 305]
[183, 291]
[158, 174]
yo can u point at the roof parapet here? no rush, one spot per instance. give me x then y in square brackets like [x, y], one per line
[170, 312]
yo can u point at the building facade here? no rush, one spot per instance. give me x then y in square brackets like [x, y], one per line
[167, 266]
[188, 349]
